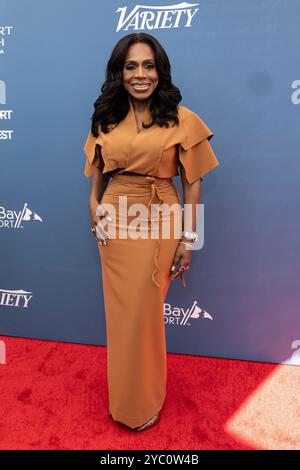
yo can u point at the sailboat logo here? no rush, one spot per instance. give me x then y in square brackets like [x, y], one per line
[30, 215]
[195, 312]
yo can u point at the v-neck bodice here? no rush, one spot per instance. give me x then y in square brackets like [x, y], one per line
[146, 114]
[154, 151]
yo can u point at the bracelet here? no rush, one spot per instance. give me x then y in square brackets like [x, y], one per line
[192, 236]
[187, 244]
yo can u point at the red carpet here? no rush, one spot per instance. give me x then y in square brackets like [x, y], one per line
[54, 396]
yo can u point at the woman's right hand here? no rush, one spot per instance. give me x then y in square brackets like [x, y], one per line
[97, 221]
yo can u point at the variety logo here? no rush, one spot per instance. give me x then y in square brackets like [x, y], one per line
[13, 219]
[180, 316]
[4, 32]
[148, 17]
[14, 298]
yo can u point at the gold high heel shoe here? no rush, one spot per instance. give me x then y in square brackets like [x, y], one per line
[149, 423]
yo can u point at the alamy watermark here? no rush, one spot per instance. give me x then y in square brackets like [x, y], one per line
[154, 221]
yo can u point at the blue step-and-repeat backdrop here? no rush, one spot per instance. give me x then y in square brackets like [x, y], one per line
[236, 63]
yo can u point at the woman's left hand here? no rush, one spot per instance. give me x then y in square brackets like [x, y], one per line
[181, 260]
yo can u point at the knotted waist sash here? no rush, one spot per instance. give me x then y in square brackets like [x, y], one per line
[155, 183]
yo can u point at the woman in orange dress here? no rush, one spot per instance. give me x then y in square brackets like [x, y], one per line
[140, 136]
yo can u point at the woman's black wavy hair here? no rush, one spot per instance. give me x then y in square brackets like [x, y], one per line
[112, 105]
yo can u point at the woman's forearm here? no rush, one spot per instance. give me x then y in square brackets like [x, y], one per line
[99, 184]
[191, 197]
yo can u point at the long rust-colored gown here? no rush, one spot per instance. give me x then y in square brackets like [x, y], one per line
[135, 272]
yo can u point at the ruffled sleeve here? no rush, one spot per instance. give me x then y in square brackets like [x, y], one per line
[195, 152]
[93, 154]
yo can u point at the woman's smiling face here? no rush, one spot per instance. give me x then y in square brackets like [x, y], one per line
[140, 77]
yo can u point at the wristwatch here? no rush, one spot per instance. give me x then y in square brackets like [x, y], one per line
[191, 236]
